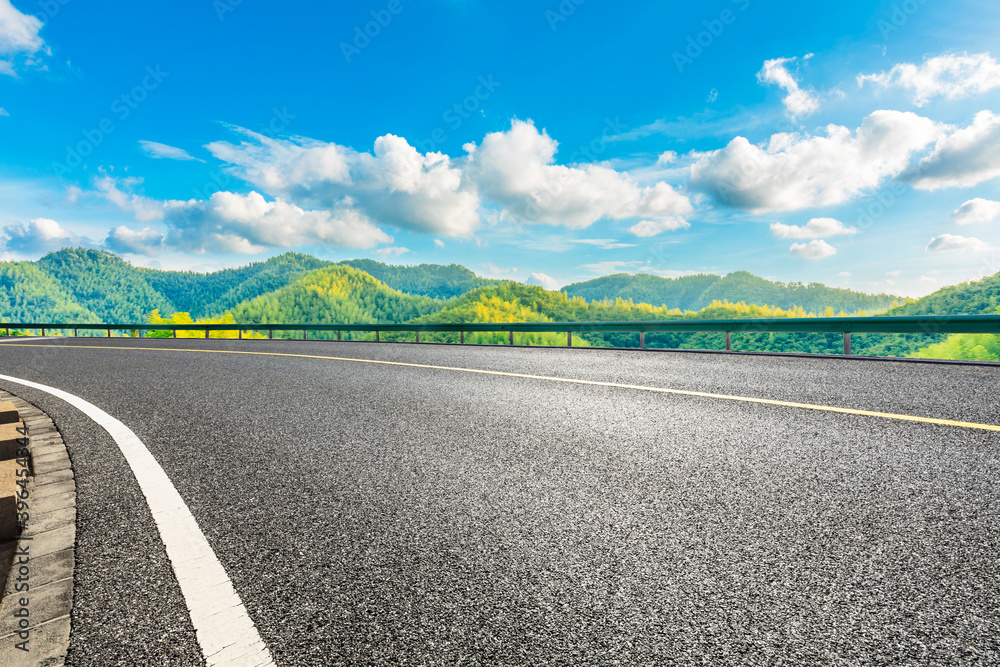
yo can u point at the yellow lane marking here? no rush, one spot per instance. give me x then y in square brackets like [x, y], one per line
[548, 378]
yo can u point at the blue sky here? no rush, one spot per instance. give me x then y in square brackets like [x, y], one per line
[848, 143]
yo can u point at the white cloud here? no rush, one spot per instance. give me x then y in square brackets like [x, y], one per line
[395, 185]
[798, 102]
[515, 169]
[793, 172]
[647, 228]
[813, 250]
[19, 39]
[243, 224]
[963, 157]
[392, 252]
[894, 274]
[977, 210]
[605, 268]
[146, 241]
[543, 280]
[494, 271]
[844, 274]
[666, 157]
[951, 76]
[3, 112]
[157, 150]
[712, 95]
[438, 243]
[604, 244]
[38, 236]
[817, 228]
[948, 242]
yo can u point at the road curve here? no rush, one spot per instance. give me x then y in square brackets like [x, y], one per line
[405, 515]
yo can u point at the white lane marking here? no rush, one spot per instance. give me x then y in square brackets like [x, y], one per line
[225, 631]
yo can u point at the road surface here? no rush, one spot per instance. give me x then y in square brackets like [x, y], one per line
[380, 514]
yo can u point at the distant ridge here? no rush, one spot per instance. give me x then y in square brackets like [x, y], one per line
[699, 291]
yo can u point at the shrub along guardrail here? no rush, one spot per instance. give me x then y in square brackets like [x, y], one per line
[827, 325]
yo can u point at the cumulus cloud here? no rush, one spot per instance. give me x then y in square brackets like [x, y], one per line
[792, 172]
[394, 185]
[647, 228]
[798, 102]
[817, 228]
[38, 236]
[515, 169]
[438, 243]
[951, 76]
[19, 38]
[813, 250]
[949, 242]
[543, 280]
[962, 158]
[245, 224]
[146, 241]
[977, 210]
[3, 112]
[157, 150]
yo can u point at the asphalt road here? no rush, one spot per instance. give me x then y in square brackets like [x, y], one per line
[390, 515]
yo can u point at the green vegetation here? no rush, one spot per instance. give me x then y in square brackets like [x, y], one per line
[88, 286]
[104, 284]
[434, 280]
[697, 292]
[29, 294]
[185, 318]
[335, 295]
[204, 294]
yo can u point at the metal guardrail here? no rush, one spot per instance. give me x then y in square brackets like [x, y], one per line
[835, 325]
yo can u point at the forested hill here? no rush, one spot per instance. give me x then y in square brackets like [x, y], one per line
[434, 280]
[698, 291]
[335, 295]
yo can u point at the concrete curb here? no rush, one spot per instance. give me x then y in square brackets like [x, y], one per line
[39, 590]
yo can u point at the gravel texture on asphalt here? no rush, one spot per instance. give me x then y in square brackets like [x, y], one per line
[383, 515]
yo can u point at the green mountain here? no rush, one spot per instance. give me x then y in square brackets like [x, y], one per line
[978, 297]
[81, 285]
[206, 294]
[335, 295]
[698, 291]
[434, 280]
[29, 294]
[102, 283]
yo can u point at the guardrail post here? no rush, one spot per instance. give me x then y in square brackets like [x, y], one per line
[642, 340]
[175, 333]
[847, 344]
[241, 334]
[43, 333]
[74, 333]
[377, 339]
[109, 333]
[304, 332]
[142, 333]
[729, 341]
[8, 331]
[461, 336]
[511, 337]
[338, 336]
[418, 336]
[569, 339]
[206, 332]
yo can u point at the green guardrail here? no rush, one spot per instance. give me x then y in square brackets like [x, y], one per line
[829, 325]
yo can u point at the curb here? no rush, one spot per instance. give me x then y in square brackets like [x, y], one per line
[38, 598]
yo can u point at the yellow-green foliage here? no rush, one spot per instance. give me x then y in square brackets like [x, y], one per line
[185, 318]
[967, 347]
